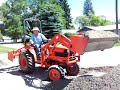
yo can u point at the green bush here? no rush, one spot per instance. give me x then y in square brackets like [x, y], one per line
[69, 34]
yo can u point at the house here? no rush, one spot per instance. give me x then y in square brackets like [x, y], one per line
[103, 28]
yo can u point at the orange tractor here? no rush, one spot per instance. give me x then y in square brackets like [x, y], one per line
[60, 54]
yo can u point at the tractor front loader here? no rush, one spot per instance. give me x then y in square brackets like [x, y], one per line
[58, 54]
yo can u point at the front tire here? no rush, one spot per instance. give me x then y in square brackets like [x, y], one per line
[55, 72]
[26, 62]
[72, 69]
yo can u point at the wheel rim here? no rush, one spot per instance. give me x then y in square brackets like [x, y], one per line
[23, 62]
[54, 74]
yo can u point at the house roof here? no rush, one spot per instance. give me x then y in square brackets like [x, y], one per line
[105, 28]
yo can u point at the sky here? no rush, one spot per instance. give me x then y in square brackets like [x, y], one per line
[2, 1]
[101, 7]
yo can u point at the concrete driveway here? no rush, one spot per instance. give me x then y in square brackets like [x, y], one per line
[108, 57]
[16, 45]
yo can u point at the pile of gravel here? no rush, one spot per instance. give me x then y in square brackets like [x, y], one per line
[100, 34]
[110, 81]
[100, 40]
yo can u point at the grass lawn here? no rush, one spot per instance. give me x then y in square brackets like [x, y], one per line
[5, 49]
[117, 44]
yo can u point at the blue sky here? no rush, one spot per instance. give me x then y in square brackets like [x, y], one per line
[101, 7]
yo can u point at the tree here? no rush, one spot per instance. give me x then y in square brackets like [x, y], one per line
[88, 8]
[67, 15]
[12, 12]
[82, 21]
[98, 21]
[91, 20]
[66, 8]
[15, 11]
[51, 19]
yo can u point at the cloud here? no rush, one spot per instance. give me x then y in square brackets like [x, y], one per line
[2, 1]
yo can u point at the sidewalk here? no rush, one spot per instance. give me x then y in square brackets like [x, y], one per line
[16, 45]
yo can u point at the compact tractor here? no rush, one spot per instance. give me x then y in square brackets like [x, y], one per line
[58, 54]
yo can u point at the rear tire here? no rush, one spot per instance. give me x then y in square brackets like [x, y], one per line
[26, 62]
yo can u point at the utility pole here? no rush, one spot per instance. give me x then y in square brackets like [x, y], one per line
[116, 8]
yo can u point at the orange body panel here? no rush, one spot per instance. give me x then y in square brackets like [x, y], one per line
[15, 53]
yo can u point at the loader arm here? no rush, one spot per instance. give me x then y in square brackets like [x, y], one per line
[76, 43]
[59, 38]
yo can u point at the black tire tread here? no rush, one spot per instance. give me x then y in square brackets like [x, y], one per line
[30, 63]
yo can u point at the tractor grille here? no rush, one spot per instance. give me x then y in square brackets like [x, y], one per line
[63, 54]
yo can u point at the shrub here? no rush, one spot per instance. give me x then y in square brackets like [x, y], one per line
[69, 34]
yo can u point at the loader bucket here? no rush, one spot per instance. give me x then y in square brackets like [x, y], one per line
[79, 43]
[11, 55]
[95, 44]
[100, 40]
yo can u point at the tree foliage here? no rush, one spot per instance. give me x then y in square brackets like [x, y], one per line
[51, 20]
[67, 15]
[65, 6]
[88, 8]
[15, 11]
[91, 20]
[12, 12]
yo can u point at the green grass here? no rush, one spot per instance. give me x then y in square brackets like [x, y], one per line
[117, 44]
[5, 49]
